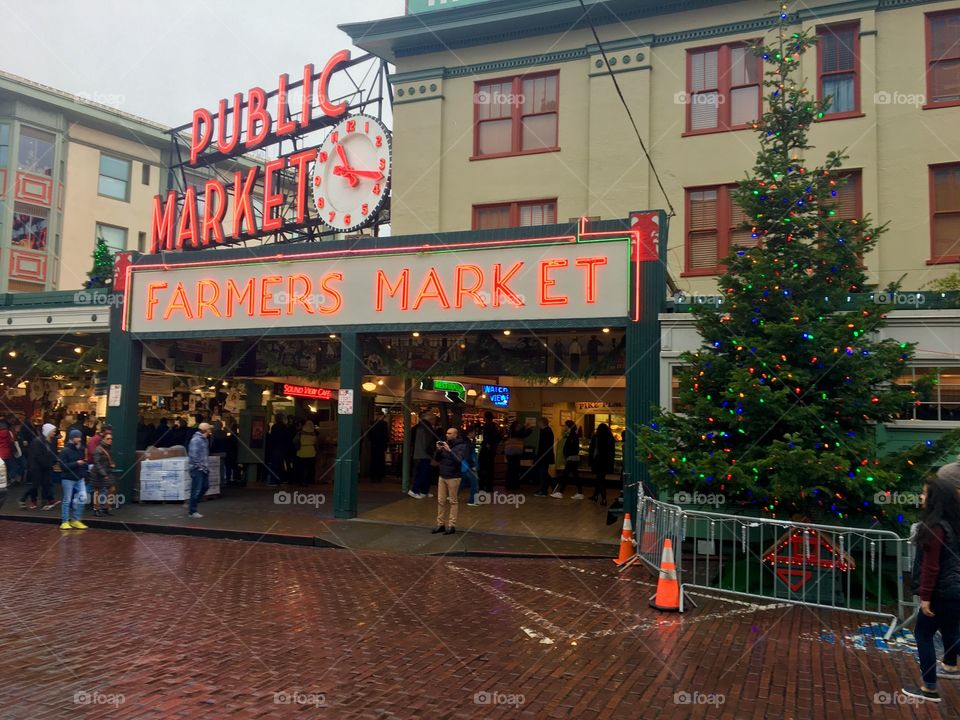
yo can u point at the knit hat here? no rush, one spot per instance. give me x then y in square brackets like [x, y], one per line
[950, 472]
[74, 434]
[47, 429]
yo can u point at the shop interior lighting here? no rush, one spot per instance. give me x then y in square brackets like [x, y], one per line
[484, 396]
[553, 380]
[506, 332]
[99, 359]
[224, 383]
[416, 334]
[22, 386]
[12, 353]
[380, 381]
[333, 336]
[606, 330]
[369, 386]
[472, 392]
[78, 350]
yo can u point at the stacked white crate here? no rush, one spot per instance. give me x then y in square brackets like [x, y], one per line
[169, 479]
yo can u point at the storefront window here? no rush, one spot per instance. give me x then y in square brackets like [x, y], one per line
[942, 401]
[36, 152]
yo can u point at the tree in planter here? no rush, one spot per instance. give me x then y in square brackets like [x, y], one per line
[101, 276]
[782, 400]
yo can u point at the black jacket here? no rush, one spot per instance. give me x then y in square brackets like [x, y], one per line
[41, 456]
[571, 444]
[451, 461]
[603, 453]
[948, 581]
[73, 463]
[545, 446]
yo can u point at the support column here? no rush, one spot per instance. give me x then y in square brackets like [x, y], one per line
[348, 430]
[405, 461]
[123, 370]
[643, 367]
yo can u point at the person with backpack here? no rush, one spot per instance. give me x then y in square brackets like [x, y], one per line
[469, 468]
[936, 579]
[571, 462]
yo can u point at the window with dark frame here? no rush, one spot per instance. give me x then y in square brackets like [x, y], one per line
[145, 174]
[515, 214]
[114, 181]
[945, 213]
[838, 66]
[115, 237]
[723, 88]
[517, 115]
[142, 242]
[943, 58]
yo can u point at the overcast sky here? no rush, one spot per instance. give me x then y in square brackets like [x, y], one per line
[161, 59]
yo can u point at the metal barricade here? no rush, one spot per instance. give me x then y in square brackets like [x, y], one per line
[858, 570]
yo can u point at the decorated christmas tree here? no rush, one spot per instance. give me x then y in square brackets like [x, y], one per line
[101, 276]
[781, 403]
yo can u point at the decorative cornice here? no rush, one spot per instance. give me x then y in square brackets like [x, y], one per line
[416, 100]
[618, 71]
[525, 61]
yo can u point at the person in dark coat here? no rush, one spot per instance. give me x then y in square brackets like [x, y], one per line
[602, 456]
[488, 451]
[571, 461]
[450, 453]
[936, 579]
[379, 438]
[41, 463]
[545, 456]
[73, 465]
[279, 444]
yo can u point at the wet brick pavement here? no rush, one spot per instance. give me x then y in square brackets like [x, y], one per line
[113, 624]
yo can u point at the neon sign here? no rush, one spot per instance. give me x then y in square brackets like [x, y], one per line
[497, 395]
[307, 391]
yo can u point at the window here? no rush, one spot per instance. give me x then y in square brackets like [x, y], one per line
[114, 177]
[848, 197]
[142, 242]
[943, 58]
[36, 152]
[30, 226]
[517, 214]
[4, 147]
[945, 213]
[713, 228]
[723, 88]
[145, 174]
[943, 400]
[838, 63]
[676, 404]
[516, 115]
[114, 237]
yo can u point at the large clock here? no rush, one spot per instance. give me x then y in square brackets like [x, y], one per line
[351, 175]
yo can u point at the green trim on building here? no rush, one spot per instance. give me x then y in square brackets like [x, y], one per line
[416, 100]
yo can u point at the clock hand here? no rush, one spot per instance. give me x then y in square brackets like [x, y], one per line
[343, 156]
[372, 174]
[346, 172]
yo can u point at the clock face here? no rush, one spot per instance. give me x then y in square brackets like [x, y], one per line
[351, 175]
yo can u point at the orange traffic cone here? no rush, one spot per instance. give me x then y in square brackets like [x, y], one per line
[626, 541]
[648, 542]
[668, 586]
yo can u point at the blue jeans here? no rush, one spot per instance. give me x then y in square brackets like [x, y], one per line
[421, 481]
[471, 479]
[946, 619]
[73, 490]
[199, 484]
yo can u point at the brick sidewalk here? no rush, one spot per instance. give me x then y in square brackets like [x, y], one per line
[112, 624]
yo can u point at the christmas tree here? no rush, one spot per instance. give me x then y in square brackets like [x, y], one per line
[782, 401]
[101, 276]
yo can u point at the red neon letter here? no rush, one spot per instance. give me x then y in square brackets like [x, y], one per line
[213, 218]
[257, 113]
[323, 87]
[242, 203]
[200, 139]
[187, 229]
[180, 302]
[222, 144]
[234, 294]
[272, 199]
[546, 282]
[284, 126]
[161, 232]
[402, 286]
[300, 161]
[591, 264]
[151, 296]
[432, 281]
[500, 285]
[305, 108]
[472, 290]
[334, 294]
[266, 296]
[208, 303]
[295, 298]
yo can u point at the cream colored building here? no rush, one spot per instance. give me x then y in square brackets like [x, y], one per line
[473, 149]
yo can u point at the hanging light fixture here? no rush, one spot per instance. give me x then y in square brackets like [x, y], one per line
[553, 380]
[369, 386]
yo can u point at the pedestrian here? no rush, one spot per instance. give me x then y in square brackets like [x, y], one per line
[545, 456]
[450, 453]
[424, 447]
[101, 474]
[42, 462]
[8, 449]
[305, 442]
[231, 472]
[936, 579]
[73, 470]
[277, 441]
[489, 442]
[469, 468]
[602, 455]
[95, 441]
[571, 461]
[199, 463]
[513, 452]
[379, 437]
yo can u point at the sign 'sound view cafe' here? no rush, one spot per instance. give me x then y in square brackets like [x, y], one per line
[562, 276]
